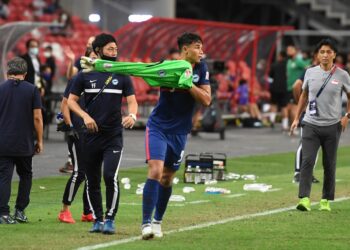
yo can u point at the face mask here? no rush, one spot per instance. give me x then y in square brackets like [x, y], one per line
[109, 58]
[34, 51]
[47, 54]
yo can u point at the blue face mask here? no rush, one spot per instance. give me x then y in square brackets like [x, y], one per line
[34, 51]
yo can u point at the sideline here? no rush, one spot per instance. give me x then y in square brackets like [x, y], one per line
[203, 225]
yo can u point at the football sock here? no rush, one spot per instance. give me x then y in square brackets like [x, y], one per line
[285, 123]
[163, 199]
[150, 197]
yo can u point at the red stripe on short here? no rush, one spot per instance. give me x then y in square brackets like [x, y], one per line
[147, 146]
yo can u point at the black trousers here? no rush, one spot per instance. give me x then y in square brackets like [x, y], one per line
[78, 176]
[314, 137]
[103, 148]
[24, 170]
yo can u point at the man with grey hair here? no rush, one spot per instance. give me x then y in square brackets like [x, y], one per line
[20, 115]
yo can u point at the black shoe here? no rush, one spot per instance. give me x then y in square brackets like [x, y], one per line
[20, 216]
[7, 219]
[296, 178]
[314, 180]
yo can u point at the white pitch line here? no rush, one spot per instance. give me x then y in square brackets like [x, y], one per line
[203, 225]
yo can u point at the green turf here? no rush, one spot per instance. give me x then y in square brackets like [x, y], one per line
[286, 230]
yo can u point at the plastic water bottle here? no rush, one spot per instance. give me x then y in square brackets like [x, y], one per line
[197, 176]
[59, 118]
[189, 174]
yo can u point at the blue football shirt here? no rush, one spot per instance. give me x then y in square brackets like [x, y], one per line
[174, 110]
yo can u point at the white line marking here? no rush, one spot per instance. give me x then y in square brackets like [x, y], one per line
[234, 195]
[198, 202]
[203, 225]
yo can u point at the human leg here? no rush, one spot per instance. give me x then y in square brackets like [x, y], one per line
[6, 172]
[310, 144]
[329, 149]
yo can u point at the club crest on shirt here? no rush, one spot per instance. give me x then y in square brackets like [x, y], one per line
[335, 81]
[107, 65]
[188, 73]
[195, 78]
[115, 81]
[162, 73]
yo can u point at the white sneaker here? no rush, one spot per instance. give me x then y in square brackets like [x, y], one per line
[157, 228]
[147, 232]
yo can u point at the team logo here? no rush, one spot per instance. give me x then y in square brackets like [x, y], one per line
[107, 65]
[162, 73]
[195, 78]
[93, 83]
[188, 73]
[115, 81]
[335, 82]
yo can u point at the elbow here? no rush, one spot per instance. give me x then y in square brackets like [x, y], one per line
[207, 102]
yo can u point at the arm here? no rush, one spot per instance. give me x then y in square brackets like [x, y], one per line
[71, 69]
[65, 111]
[201, 94]
[297, 89]
[75, 107]
[129, 121]
[301, 106]
[38, 125]
[345, 119]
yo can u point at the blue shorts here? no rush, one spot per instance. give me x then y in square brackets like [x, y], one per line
[166, 147]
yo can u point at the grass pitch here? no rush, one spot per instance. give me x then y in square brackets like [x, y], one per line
[285, 230]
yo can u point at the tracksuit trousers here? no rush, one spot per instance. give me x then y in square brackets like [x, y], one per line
[314, 137]
[106, 148]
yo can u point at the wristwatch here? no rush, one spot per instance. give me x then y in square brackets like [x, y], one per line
[133, 116]
[347, 115]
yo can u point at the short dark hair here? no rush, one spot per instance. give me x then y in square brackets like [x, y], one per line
[17, 66]
[102, 40]
[173, 50]
[88, 51]
[31, 40]
[188, 39]
[326, 42]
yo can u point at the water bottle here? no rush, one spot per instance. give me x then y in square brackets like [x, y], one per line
[189, 175]
[197, 176]
[59, 118]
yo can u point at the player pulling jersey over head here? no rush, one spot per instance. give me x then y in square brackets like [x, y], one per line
[166, 134]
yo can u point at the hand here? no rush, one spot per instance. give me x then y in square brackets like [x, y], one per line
[87, 64]
[344, 123]
[293, 126]
[69, 54]
[90, 124]
[128, 122]
[73, 133]
[38, 147]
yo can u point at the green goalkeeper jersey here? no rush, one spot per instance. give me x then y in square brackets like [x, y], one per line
[171, 74]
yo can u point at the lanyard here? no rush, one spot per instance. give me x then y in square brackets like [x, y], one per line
[326, 81]
[108, 80]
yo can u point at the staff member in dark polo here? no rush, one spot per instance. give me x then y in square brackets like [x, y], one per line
[20, 115]
[103, 93]
[323, 122]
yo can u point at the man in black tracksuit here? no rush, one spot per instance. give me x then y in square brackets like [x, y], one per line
[103, 93]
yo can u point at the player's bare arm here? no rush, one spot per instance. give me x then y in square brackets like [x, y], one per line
[202, 94]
